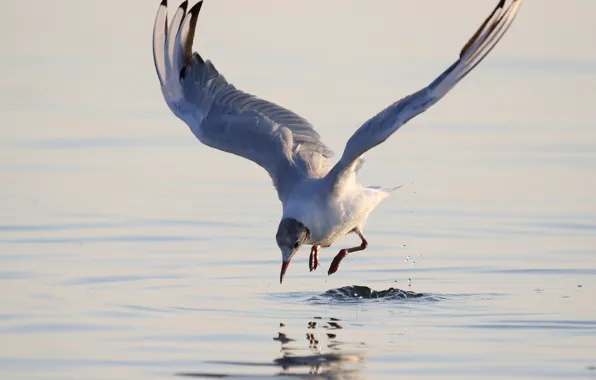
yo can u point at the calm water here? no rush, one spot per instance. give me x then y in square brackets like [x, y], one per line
[129, 250]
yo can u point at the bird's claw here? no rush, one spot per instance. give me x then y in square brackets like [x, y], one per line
[313, 260]
[313, 263]
[336, 260]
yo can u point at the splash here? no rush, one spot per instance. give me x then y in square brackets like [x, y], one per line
[357, 292]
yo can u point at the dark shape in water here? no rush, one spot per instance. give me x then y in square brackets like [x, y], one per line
[283, 338]
[321, 359]
[334, 326]
[364, 292]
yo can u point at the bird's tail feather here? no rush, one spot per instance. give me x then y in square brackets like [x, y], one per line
[386, 190]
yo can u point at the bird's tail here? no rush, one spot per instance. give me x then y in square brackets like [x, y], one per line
[392, 189]
[386, 190]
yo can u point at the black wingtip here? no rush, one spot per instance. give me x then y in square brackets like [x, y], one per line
[164, 3]
[471, 41]
[194, 11]
[194, 16]
[184, 5]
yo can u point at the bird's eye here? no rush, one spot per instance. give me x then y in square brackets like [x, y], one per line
[296, 245]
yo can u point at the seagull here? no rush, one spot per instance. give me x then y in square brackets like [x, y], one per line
[321, 202]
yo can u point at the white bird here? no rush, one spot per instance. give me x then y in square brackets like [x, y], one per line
[321, 203]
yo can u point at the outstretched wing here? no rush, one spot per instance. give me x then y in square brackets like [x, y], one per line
[385, 123]
[225, 118]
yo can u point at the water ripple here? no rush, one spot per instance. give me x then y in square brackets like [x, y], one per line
[356, 293]
[364, 292]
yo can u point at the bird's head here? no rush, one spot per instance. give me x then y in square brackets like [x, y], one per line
[291, 234]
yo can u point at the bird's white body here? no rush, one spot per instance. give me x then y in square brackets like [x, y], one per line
[321, 202]
[331, 215]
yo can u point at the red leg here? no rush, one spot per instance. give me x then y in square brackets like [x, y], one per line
[343, 253]
[313, 260]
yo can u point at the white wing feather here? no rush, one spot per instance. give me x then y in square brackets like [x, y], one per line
[220, 116]
[385, 123]
[172, 50]
[160, 29]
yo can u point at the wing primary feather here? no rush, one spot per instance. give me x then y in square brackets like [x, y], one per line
[160, 31]
[194, 17]
[184, 39]
[471, 41]
[172, 36]
[480, 34]
[491, 40]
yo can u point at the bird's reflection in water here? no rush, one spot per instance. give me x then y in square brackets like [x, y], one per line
[327, 356]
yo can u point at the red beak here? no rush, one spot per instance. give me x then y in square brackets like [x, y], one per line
[284, 267]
